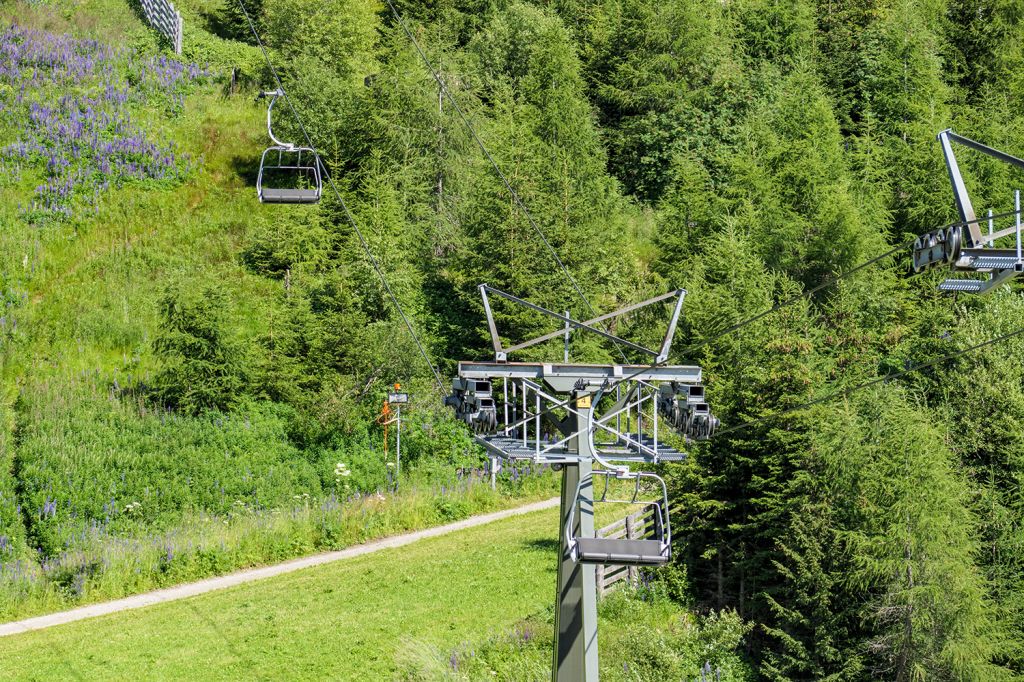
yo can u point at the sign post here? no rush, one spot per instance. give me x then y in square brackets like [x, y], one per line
[398, 399]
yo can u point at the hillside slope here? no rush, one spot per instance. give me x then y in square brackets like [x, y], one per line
[177, 357]
[411, 613]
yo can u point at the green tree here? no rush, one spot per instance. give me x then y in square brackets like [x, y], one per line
[203, 366]
[913, 545]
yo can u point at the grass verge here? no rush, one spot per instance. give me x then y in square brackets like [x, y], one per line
[349, 620]
[109, 567]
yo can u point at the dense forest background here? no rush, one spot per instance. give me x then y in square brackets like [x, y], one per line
[745, 150]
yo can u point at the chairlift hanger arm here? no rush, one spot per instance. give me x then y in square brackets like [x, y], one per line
[606, 316]
[273, 95]
[985, 149]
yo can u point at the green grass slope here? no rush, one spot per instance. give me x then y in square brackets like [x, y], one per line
[103, 489]
[350, 620]
[413, 612]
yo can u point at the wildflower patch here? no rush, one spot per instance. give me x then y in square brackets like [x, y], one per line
[67, 117]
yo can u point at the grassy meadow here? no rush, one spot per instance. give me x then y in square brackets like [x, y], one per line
[445, 608]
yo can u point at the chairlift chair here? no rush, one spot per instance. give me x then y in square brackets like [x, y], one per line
[289, 173]
[654, 551]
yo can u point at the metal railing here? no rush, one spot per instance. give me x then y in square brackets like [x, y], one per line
[165, 19]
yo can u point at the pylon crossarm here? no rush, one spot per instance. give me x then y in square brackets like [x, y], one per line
[591, 376]
[589, 323]
[517, 427]
[540, 392]
[591, 427]
[501, 353]
[964, 247]
[624, 406]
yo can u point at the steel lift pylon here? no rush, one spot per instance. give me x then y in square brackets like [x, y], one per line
[576, 416]
[965, 247]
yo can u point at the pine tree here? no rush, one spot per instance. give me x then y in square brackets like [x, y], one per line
[204, 367]
[913, 548]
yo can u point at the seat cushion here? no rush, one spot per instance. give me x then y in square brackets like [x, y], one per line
[622, 552]
[289, 196]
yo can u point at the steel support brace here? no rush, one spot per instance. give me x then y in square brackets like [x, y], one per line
[963, 202]
[575, 646]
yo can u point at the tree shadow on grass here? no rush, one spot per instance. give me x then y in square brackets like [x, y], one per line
[543, 544]
[247, 167]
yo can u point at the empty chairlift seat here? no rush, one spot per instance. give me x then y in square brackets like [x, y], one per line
[622, 551]
[653, 551]
[289, 174]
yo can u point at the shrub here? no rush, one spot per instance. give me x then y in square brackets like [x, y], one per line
[203, 367]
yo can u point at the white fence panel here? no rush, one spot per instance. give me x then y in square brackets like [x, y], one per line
[165, 19]
[635, 526]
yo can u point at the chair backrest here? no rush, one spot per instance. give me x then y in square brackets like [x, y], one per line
[662, 527]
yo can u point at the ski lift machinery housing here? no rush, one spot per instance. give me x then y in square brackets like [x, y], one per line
[576, 417]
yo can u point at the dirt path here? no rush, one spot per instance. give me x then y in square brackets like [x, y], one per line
[241, 577]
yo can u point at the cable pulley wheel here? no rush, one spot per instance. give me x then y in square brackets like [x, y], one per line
[917, 256]
[951, 245]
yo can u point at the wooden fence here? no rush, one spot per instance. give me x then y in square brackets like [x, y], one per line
[637, 526]
[165, 19]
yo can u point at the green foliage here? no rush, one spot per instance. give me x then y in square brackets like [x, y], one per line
[232, 22]
[339, 33]
[642, 638]
[203, 367]
[126, 468]
[912, 547]
[747, 150]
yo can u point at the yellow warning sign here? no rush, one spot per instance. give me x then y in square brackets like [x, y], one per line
[583, 401]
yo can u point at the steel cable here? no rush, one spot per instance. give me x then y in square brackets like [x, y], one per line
[494, 164]
[348, 214]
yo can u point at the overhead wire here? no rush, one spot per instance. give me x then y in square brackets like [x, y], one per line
[494, 164]
[344, 207]
[754, 318]
[868, 384]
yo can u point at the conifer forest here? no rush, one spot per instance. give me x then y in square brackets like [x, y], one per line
[191, 381]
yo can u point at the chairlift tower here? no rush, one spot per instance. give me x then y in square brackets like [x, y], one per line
[965, 247]
[573, 417]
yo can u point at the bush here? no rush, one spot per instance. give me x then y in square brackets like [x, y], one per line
[203, 366]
